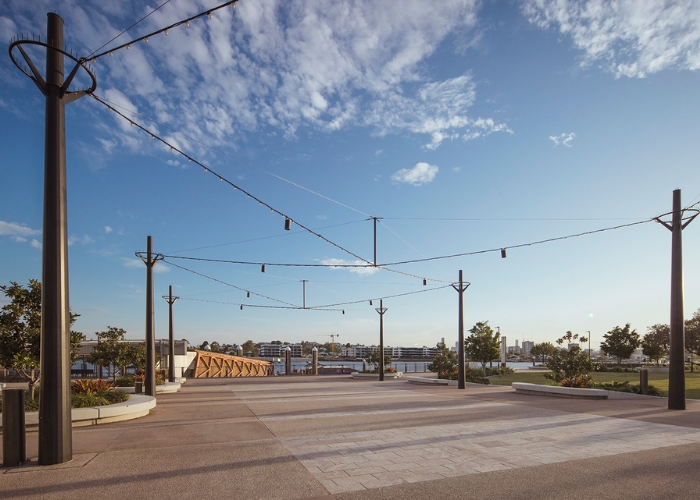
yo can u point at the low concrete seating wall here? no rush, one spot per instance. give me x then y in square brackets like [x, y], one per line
[137, 406]
[573, 392]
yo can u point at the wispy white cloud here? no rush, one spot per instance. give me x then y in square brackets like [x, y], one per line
[366, 269]
[631, 38]
[422, 173]
[83, 240]
[563, 139]
[133, 263]
[36, 243]
[16, 229]
[108, 229]
[280, 66]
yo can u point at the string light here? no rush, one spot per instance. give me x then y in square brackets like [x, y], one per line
[228, 284]
[209, 15]
[187, 23]
[165, 31]
[287, 224]
[110, 54]
[128, 47]
[503, 253]
[247, 294]
[262, 268]
[145, 39]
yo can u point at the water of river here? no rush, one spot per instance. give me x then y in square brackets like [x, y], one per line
[401, 366]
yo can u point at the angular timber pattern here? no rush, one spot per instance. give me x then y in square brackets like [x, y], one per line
[215, 365]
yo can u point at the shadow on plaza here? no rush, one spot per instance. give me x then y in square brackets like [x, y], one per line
[98, 484]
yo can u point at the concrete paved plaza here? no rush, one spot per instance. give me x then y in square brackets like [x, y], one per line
[335, 437]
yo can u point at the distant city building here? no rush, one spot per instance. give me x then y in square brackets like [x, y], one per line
[362, 351]
[527, 347]
[277, 350]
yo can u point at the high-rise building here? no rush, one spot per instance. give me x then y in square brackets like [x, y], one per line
[527, 346]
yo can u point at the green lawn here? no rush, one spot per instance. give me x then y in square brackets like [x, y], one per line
[658, 380]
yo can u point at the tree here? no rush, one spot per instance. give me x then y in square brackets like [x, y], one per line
[543, 350]
[112, 352]
[250, 347]
[375, 359]
[620, 343]
[20, 331]
[692, 335]
[656, 342]
[483, 344]
[444, 363]
[129, 354]
[571, 364]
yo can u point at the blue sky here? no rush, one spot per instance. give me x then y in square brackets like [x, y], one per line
[465, 125]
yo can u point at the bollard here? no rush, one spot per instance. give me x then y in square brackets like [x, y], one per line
[644, 381]
[138, 386]
[287, 361]
[314, 361]
[14, 441]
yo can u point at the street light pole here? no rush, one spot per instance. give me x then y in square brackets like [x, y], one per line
[150, 260]
[55, 432]
[676, 371]
[171, 337]
[381, 310]
[461, 384]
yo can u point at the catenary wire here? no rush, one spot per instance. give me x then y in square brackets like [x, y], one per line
[127, 29]
[162, 30]
[238, 159]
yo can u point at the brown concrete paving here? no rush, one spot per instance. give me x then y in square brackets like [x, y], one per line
[334, 437]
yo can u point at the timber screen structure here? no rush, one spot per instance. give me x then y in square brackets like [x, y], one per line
[214, 365]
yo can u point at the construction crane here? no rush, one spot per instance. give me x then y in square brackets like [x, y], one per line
[332, 336]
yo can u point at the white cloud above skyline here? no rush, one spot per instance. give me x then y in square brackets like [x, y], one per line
[133, 263]
[630, 38]
[17, 229]
[422, 173]
[366, 269]
[283, 65]
[563, 139]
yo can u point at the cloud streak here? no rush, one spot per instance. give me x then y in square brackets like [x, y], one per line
[631, 38]
[368, 269]
[563, 139]
[280, 65]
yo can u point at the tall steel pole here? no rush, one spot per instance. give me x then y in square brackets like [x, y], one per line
[150, 260]
[375, 240]
[55, 437]
[461, 383]
[381, 310]
[676, 371]
[171, 336]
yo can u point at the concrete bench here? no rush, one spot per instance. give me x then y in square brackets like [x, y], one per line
[559, 391]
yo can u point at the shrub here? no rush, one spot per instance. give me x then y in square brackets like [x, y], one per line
[476, 375]
[601, 367]
[124, 381]
[90, 386]
[87, 400]
[115, 396]
[582, 381]
[499, 371]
